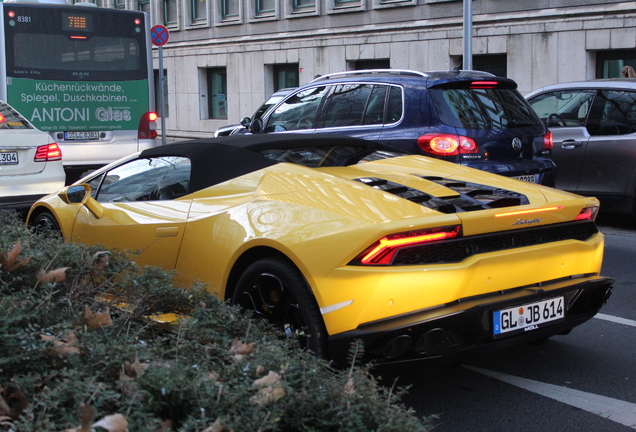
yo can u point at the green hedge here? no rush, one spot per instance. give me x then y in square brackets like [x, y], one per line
[71, 362]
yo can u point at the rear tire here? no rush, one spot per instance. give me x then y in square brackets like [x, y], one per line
[275, 289]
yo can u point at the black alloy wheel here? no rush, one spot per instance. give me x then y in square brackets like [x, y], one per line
[275, 289]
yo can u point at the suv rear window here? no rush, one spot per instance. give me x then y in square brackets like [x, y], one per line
[482, 108]
[10, 119]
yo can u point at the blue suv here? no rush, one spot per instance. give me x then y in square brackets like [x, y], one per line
[468, 117]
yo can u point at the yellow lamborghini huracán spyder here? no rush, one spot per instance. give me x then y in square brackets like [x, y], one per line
[336, 239]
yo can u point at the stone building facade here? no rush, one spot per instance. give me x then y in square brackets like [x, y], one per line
[225, 57]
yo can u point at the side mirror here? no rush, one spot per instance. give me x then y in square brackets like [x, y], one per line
[81, 194]
[246, 121]
[75, 194]
[256, 126]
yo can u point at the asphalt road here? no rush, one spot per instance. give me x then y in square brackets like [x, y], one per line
[585, 381]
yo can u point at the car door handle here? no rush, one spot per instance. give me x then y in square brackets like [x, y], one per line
[167, 231]
[570, 144]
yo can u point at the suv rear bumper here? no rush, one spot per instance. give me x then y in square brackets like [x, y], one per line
[542, 168]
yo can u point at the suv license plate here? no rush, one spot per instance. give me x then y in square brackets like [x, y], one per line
[8, 158]
[528, 316]
[527, 178]
[84, 135]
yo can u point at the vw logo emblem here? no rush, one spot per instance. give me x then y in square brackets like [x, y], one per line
[516, 144]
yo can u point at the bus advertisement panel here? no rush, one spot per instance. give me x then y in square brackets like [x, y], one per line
[82, 74]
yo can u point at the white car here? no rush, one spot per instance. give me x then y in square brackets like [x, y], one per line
[30, 162]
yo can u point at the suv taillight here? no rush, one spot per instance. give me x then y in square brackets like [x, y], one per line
[547, 141]
[47, 153]
[447, 144]
[147, 126]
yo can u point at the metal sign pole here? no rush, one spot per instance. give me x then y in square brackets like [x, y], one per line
[468, 35]
[160, 36]
[162, 97]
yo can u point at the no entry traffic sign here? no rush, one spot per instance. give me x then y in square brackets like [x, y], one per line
[159, 35]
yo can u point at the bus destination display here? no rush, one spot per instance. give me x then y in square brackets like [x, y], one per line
[77, 22]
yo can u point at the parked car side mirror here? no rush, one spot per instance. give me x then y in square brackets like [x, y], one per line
[246, 121]
[81, 194]
[256, 126]
[75, 194]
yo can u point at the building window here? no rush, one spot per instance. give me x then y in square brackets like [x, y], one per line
[609, 64]
[265, 7]
[158, 94]
[286, 76]
[372, 64]
[120, 4]
[169, 12]
[144, 6]
[496, 64]
[304, 5]
[229, 9]
[346, 3]
[198, 9]
[217, 93]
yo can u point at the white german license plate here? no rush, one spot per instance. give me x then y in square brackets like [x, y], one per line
[8, 158]
[527, 178]
[528, 316]
[83, 135]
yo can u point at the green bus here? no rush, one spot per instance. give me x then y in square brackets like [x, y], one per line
[81, 73]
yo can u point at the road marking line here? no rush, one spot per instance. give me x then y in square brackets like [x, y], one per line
[613, 409]
[616, 319]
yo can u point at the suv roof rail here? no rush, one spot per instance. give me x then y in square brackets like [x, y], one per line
[370, 72]
[477, 72]
[461, 71]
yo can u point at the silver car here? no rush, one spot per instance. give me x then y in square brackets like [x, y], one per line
[30, 162]
[593, 126]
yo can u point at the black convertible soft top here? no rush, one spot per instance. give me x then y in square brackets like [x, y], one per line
[215, 160]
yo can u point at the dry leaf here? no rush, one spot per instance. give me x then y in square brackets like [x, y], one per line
[239, 347]
[99, 262]
[10, 263]
[270, 389]
[212, 376]
[217, 427]
[125, 383]
[4, 406]
[88, 415]
[164, 425]
[64, 346]
[53, 276]
[13, 402]
[136, 368]
[97, 321]
[113, 423]
[238, 350]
